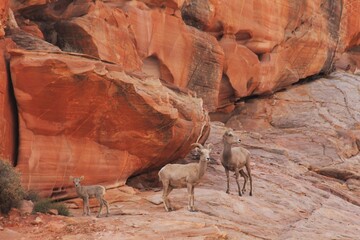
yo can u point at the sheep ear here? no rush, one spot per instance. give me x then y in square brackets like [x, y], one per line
[209, 146]
[71, 178]
[82, 178]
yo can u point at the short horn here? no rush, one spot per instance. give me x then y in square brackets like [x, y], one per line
[197, 145]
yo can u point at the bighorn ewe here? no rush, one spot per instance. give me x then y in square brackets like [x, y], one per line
[86, 192]
[184, 175]
[234, 159]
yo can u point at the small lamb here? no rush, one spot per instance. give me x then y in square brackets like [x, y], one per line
[184, 175]
[86, 192]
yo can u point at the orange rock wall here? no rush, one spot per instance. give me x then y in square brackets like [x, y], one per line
[90, 118]
[7, 111]
[222, 50]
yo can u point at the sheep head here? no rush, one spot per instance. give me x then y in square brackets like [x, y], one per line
[204, 152]
[230, 137]
[76, 180]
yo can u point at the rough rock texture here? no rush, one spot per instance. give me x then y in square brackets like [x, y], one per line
[315, 125]
[4, 6]
[99, 31]
[80, 116]
[291, 39]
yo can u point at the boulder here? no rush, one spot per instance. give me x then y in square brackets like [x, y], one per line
[80, 116]
[26, 207]
[98, 30]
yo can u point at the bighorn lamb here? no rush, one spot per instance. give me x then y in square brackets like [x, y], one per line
[184, 175]
[234, 159]
[86, 192]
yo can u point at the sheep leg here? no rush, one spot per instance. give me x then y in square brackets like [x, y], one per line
[249, 173]
[190, 188]
[228, 180]
[243, 174]
[237, 181]
[193, 197]
[107, 207]
[84, 207]
[101, 205]
[86, 203]
[167, 189]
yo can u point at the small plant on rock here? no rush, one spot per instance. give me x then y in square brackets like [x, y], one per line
[11, 191]
[44, 206]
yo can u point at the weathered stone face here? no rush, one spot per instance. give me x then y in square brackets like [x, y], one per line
[315, 125]
[8, 127]
[80, 116]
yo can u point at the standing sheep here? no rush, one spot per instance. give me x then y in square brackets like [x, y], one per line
[184, 175]
[86, 192]
[235, 159]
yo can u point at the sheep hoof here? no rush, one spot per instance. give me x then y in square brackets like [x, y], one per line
[250, 193]
[107, 215]
[243, 191]
[192, 209]
[168, 209]
[227, 191]
[98, 216]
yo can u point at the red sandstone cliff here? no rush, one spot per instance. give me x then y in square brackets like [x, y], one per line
[88, 114]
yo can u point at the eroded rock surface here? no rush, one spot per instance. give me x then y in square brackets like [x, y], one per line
[80, 116]
[314, 124]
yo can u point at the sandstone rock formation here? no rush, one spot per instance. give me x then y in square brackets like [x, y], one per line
[223, 51]
[80, 116]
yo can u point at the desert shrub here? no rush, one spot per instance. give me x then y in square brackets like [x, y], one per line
[44, 205]
[62, 209]
[32, 195]
[11, 191]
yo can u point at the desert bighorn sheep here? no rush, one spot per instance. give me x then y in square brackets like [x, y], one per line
[184, 175]
[86, 192]
[234, 159]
